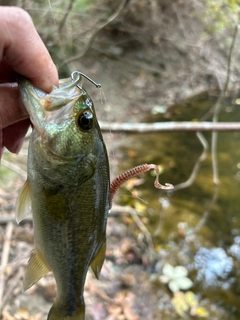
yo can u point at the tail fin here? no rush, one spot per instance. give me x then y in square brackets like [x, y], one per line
[56, 314]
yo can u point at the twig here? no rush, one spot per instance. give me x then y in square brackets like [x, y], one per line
[4, 258]
[196, 168]
[132, 62]
[61, 24]
[143, 229]
[12, 286]
[103, 25]
[17, 270]
[169, 126]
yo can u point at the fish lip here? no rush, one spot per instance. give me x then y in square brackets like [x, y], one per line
[59, 104]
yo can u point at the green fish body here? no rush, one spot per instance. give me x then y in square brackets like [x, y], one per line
[68, 190]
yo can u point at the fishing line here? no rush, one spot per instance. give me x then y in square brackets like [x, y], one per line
[57, 31]
[102, 97]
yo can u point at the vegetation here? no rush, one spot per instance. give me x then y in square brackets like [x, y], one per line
[157, 60]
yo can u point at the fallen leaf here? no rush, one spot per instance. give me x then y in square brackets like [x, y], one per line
[191, 299]
[199, 312]
[22, 314]
[179, 303]
[6, 316]
[132, 153]
[140, 207]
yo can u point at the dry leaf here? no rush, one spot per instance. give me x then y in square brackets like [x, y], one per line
[199, 312]
[179, 303]
[6, 316]
[191, 299]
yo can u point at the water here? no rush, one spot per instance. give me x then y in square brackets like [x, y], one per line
[189, 229]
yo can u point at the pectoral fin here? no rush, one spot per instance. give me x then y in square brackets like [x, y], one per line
[98, 260]
[35, 270]
[23, 203]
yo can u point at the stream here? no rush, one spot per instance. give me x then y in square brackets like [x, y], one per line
[188, 227]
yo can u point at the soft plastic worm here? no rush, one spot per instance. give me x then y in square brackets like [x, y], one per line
[123, 177]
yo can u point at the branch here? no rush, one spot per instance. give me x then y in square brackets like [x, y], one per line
[5, 256]
[196, 168]
[11, 287]
[170, 126]
[61, 24]
[143, 229]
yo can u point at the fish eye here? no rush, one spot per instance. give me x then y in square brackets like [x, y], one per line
[85, 120]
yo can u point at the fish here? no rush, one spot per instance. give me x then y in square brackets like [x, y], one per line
[67, 190]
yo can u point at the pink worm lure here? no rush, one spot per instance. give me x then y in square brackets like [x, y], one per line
[123, 177]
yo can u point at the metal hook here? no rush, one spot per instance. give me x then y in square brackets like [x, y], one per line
[97, 85]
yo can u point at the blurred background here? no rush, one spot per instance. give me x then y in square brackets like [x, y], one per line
[171, 255]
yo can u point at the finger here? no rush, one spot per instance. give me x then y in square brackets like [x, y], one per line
[13, 136]
[11, 107]
[24, 50]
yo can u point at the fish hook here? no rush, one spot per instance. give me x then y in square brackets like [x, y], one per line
[80, 74]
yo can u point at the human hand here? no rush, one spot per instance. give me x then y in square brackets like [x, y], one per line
[21, 51]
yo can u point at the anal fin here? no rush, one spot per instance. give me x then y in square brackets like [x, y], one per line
[98, 260]
[35, 270]
[23, 203]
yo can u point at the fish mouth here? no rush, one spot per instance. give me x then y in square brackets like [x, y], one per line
[59, 103]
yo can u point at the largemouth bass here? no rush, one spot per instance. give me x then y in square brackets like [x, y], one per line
[67, 188]
[68, 191]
